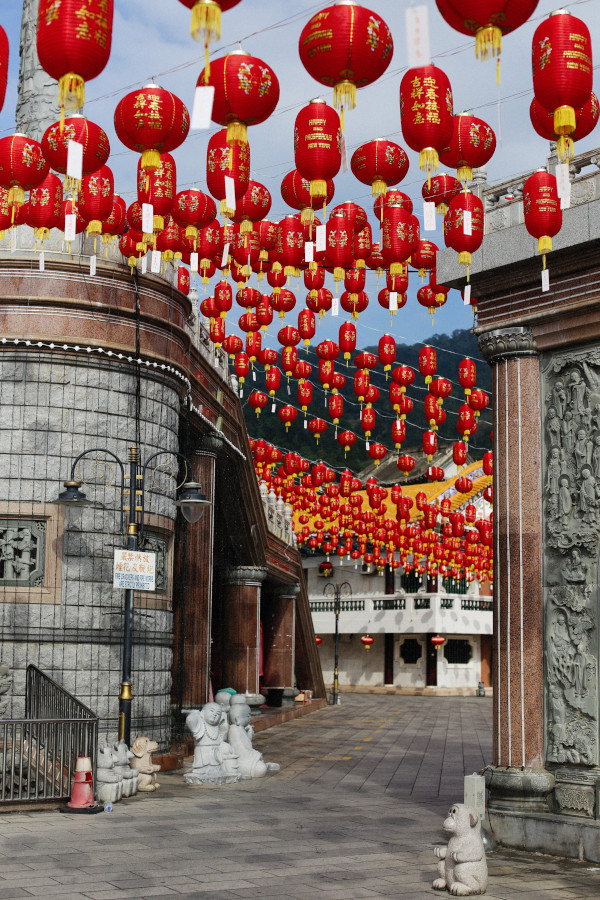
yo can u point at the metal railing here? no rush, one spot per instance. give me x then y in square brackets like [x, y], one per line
[38, 753]
[390, 603]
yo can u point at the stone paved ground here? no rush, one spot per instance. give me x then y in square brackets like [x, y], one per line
[354, 813]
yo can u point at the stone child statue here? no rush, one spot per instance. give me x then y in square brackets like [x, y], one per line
[463, 867]
[240, 734]
[215, 761]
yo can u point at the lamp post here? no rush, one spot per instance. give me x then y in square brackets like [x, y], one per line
[192, 504]
[336, 592]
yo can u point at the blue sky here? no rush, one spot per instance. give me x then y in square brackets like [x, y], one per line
[151, 38]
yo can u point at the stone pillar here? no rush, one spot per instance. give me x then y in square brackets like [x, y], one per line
[193, 600]
[242, 628]
[518, 779]
[37, 107]
[279, 619]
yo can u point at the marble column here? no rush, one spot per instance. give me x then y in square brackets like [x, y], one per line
[193, 600]
[279, 619]
[518, 597]
[37, 107]
[241, 628]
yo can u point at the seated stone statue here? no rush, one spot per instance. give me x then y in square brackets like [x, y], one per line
[240, 734]
[215, 761]
[142, 749]
[121, 755]
[109, 783]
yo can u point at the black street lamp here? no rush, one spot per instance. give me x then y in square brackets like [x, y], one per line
[336, 592]
[192, 504]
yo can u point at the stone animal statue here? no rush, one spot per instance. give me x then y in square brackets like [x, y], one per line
[240, 734]
[122, 755]
[462, 868]
[142, 749]
[109, 783]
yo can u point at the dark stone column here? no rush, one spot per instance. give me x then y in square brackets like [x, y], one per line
[242, 628]
[279, 620]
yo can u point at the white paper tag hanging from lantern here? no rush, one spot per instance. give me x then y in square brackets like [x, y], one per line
[253, 375]
[13, 239]
[225, 257]
[155, 262]
[147, 218]
[467, 222]
[321, 238]
[467, 295]
[344, 155]
[429, 223]
[93, 265]
[393, 301]
[204, 98]
[230, 193]
[565, 202]
[563, 181]
[417, 36]
[193, 262]
[289, 390]
[367, 445]
[305, 424]
[273, 407]
[309, 252]
[545, 280]
[144, 264]
[70, 227]
[335, 306]
[42, 262]
[75, 160]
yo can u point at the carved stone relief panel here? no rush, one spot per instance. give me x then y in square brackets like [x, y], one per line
[22, 552]
[571, 520]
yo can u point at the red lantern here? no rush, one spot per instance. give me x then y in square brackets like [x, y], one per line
[232, 345]
[287, 414]
[151, 121]
[289, 245]
[478, 400]
[328, 350]
[336, 407]
[380, 163]
[194, 210]
[363, 246]
[322, 303]
[367, 641]
[424, 257]
[346, 46]
[488, 463]
[437, 640]
[377, 452]
[168, 241]
[455, 229]
[317, 145]
[387, 351]
[561, 61]
[463, 485]
[317, 427]
[273, 380]
[586, 120]
[467, 375]
[295, 190]
[487, 20]
[541, 207]
[223, 161]
[246, 92]
[354, 303]
[427, 363]
[354, 280]
[258, 401]
[4, 52]
[22, 167]
[206, 19]
[367, 420]
[398, 432]
[429, 444]
[130, 244]
[55, 145]
[346, 439]
[305, 394]
[466, 421]
[340, 246]
[96, 198]
[400, 237]
[441, 190]
[253, 206]
[114, 224]
[347, 339]
[318, 640]
[471, 145]
[73, 45]
[306, 325]
[435, 473]
[45, 207]
[426, 113]
[459, 453]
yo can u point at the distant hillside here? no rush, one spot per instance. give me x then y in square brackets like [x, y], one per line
[450, 350]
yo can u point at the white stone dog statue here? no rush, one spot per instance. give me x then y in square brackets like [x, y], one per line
[142, 749]
[462, 867]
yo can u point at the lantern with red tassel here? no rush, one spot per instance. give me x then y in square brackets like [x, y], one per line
[246, 92]
[380, 163]
[317, 145]
[346, 46]
[561, 61]
[426, 111]
[471, 145]
[151, 121]
[73, 45]
[541, 207]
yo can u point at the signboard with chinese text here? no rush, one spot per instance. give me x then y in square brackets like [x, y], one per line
[134, 569]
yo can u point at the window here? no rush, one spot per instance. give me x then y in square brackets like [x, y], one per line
[458, 652]
[455, 587]
[410, 582]
[411, 651]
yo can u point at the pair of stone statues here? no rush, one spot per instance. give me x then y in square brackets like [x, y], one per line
[223, 751]
[122, 772]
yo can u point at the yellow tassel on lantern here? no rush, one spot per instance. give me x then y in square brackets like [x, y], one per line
[464, 258]
[16, 197]
[237, 132]
[94, 227]
[565, 148]
[206, 21]
[430, 161]
[245, 226]
[225, 210]
[150, 160]
[318, 188]
[344, 95]
[488, 42]
[71, 94]
[378, 187]
[564, 120]
[307, 215]
[465, 173]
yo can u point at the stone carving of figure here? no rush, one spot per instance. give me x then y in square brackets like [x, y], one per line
[568, 431]
[596, 456]
[587, 496]
[251, 762]
[582, 450]
[553, 476]
[578, 393]
[122, 755]
[5, 686]
[565, 504]
[109, 781]
[554, 429]
[586, 418]
[573, 569]
[215, 761]
[580, 672]
[596, 416]
[559, 398]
